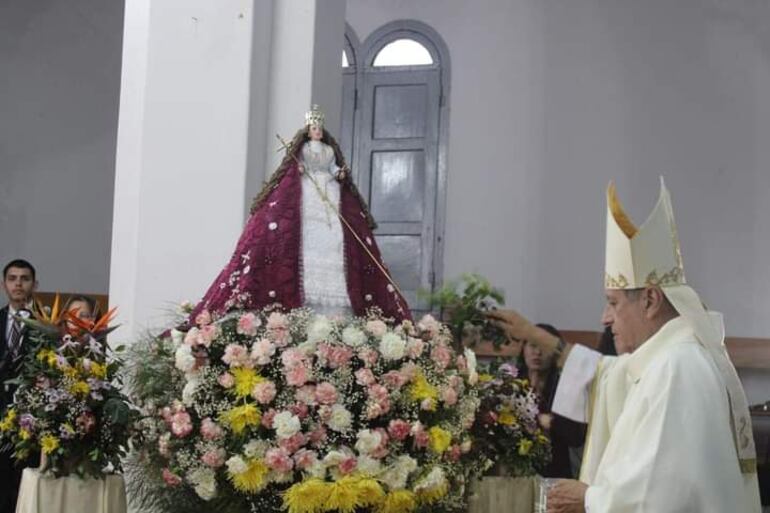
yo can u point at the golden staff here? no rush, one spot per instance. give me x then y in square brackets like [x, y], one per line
[287, 146]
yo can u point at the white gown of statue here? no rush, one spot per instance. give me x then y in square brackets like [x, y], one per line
[323, 257]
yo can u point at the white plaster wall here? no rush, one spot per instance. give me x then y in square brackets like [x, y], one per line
[59, 89]
[551, 99]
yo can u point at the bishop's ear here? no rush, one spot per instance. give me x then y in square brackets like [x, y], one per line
[654, 302]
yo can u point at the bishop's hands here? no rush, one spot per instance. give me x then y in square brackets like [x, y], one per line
[567, 496]
[517, 328]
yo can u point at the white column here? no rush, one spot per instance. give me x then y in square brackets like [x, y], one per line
[205, 87]
[305, 67]
[182, 149]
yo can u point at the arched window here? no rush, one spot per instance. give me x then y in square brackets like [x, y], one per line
[349, 91]
[399, 147]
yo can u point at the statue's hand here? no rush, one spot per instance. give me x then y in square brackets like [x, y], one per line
[342, 174]
[300, 168]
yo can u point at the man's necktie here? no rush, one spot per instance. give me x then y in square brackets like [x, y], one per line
[14, 340]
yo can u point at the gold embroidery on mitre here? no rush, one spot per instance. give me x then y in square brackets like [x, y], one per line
[674, 277]
[611, 282]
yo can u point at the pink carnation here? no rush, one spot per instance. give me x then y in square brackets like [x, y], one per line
[264, 392]
[207, 334]
[297, 376]
[203, 318]
[267, 418]
[170, 478]
[214, 458]
[378, 393]
[293, 443]
[449, 396]
[278, 328]
[262, 351]
[304, 458]
[237, 355]
[441, 356]
[305, 395]
[318, 436]
[454, 453]
[279, 460]
[192, 337]
[226, 380]
[421, 437]
[210, 430]
[461, 364]
[414, 347]
[301, 410]
[326, 393]
[430, 324]
[376, 328]
[248, 324]
[347, 465]
[394, 379]
[181, 424]
[409, 370]
[340, 357]
[365, 377]
[382, 450]
[399, 429]
[292, 357]
[369, 356]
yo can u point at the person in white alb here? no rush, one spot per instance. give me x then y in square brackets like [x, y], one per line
[669, 425]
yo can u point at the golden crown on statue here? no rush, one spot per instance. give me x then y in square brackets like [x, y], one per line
[314, 117]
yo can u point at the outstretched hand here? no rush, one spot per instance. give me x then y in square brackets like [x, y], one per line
[516, 327]
[567, 496]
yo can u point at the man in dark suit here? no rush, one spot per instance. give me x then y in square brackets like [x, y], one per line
[19, 283]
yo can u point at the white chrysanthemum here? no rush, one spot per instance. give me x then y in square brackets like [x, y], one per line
[184, 358]
[392, 347]
[188, 392]
[319, 330]
[236, 465]
[353, 336]
[334, 458]
[341, 419]
[369, 466]
[177, 337]
[397, 474]
[317, 469]
[406, 463]
[368, 441]
[281, 477]
[434, 480]
[255, 448]
[205, 482]
[286, 424]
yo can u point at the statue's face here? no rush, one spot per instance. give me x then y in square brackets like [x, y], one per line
[315, 132]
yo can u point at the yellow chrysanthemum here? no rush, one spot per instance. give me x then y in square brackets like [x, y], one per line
[80, 388]
[7, 423]
[439, 439]
[369, 491]
[69, 371]
[240, 417]
[244, 379]
[48, 444]
[342, 495]
[398, 501]
[506, 417]
[24, 434]
[48, 356]
[309, 496]
[98, 370]
[421, 389]
[253, 479]
[524, 447]
[485, 378]
[431, 495]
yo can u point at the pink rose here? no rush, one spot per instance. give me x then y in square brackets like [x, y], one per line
[210, 430]
[347, 465]
[441, 356]
[203, 318]
[214, 458]
[267, 418]
[170, 478]
[318, 436]
[449, 396]
[293, 443]
[399, 429]
[304, 458]
[414, 347]
[305, 395]
[237, 355]
[262, 351]
[226, 380]
[394, 379]
[376, 328]
[279, 460]
[326, 393]
[264, 392]
[248, 324]
[297, 376]
[365, 377]
[181, 424]
[369, 356]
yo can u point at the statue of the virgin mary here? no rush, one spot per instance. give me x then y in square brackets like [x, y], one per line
[308, 241]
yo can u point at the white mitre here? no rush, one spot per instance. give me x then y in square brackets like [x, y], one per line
[650, 256]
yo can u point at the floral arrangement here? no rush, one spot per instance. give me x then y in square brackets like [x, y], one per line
[269, 411]
[506, 432]
[464, 303]
[68, 405]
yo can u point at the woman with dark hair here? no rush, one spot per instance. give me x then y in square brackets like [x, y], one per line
[543, 376]
[308, 241]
